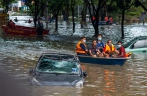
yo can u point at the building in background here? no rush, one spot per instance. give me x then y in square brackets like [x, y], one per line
[19, 6]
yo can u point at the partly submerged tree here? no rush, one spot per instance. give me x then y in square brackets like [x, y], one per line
[56, 6]
[36, 7]
[94, 7]
[124, 5]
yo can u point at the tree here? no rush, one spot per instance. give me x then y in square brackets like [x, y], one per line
[73, 4]
[138, 3]
[56, 6]
[96, 12]
[36, 7]
[65, 10]
[6, 4]
[124, 5]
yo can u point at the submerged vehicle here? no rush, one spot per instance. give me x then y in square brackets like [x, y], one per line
[55, 69]
[138, 44]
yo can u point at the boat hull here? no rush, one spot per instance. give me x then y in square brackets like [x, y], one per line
[104, 61]
[22, 30]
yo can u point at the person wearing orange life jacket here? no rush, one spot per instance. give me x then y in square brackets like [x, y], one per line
[109, 49]
[106, 18]
[81, 48]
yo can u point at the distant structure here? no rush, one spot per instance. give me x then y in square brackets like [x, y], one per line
[20, 5]
[142, 17]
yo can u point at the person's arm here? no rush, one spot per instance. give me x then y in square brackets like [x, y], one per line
[90, 53]
[89, 50]
[116, 51]
[98, 51]
[104, 52]
[83, 47]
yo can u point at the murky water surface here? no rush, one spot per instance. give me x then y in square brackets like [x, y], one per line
[18, 54]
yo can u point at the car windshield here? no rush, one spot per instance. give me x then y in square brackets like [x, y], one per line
[55, 65]
[129, 43]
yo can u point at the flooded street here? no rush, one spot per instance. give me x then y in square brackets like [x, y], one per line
[18, 54]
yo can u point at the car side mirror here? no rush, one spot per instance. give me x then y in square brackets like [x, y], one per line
[31, 71]
[132, 46]
[84, 74]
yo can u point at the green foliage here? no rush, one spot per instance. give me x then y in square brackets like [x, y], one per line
[133, 13]
[5, 3]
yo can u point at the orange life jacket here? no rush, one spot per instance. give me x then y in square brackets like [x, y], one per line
[128, 54]
[108, 49]
[79, 49]
[106, 18]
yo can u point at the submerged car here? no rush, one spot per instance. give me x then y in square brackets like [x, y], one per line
[138, 44]
[55, 69]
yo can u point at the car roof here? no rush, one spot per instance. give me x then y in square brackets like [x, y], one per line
[59, 56]
[140, 37]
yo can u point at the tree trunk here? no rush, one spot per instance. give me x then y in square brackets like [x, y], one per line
[56, 21]
[96, 23]
[122, 23]
[73, 20]
[35, 20]
[84, 12]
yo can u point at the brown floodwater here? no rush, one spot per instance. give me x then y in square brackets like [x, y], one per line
[18, 54]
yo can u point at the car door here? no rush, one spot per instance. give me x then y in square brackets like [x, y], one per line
[139, 46]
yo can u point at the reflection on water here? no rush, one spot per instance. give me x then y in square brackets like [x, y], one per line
[18, 54]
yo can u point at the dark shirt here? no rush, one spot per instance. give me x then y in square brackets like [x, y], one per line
[93, 49]
[83, 46]
[39, 29]
[100, 46]
[122, 50]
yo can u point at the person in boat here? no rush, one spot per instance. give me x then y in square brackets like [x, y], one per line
[110, 20]
[11, 24]
[106, 18]
[109, 49]
[40, 28]
[121, 51]
[94, 50]
[16, 20]
[100, 43]
[81, 48]
[29, 21]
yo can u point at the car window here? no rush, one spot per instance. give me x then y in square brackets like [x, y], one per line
[139, 44]
[58, 66]
[145, 43]
[129, 43]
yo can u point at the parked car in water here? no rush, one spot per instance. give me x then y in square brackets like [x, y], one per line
[55, 69]
[138, 44]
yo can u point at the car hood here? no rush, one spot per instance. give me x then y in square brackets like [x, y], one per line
[59, 79]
